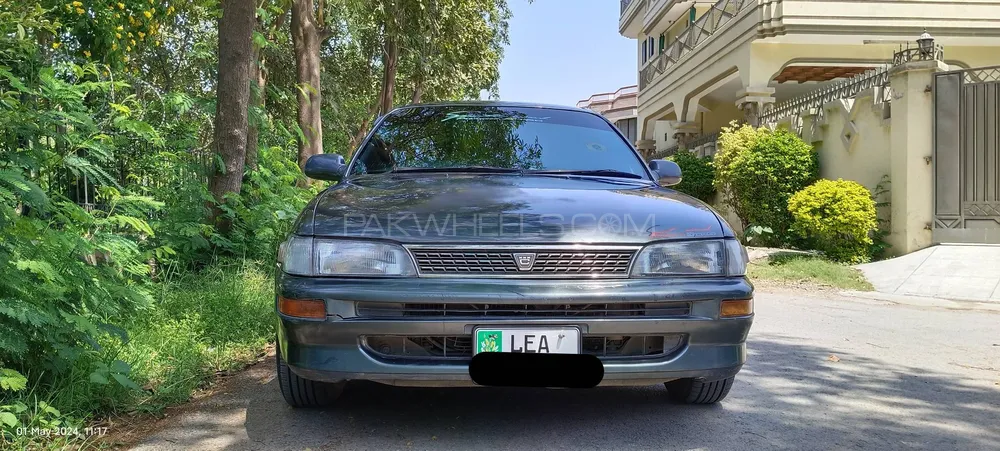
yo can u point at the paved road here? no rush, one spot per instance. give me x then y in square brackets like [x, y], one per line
[902, 377]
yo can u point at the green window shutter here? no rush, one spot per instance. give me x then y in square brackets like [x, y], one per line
[692, 16]
[663, 42]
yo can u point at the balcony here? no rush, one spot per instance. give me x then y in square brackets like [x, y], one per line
[625, 4]
[630, 21]
[717, 18]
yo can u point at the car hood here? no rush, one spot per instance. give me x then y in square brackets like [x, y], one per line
[457, 208]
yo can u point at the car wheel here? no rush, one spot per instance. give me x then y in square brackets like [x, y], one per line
[694, 391]
[301, 392]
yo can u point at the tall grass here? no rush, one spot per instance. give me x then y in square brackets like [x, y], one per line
[219, 319]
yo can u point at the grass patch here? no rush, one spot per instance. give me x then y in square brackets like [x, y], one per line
[808, 269]
[218, 319]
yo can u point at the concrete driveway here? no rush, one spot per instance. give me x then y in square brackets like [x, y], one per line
[960, 272]
[825, 372]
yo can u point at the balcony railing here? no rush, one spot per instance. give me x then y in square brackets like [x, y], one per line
[625, 4]
[909, 54]
[713, 20]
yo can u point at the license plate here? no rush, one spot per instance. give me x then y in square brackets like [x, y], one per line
[553, 340]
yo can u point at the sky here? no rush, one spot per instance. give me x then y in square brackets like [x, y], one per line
[562, 51]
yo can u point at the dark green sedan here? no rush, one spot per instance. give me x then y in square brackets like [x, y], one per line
[472, 229]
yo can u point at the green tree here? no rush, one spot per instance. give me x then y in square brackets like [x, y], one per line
[236, 55]
[763, 177]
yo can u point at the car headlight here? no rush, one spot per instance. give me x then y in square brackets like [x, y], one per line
[306, 256]
[691, 258]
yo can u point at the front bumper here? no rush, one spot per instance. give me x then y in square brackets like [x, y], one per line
[331, 349]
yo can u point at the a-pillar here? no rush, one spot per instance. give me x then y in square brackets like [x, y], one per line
[753, 102]
[911, 148]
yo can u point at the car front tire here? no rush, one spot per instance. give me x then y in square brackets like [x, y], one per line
[694, 391]
[301, 392]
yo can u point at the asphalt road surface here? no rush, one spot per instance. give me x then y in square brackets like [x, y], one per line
[824, 372]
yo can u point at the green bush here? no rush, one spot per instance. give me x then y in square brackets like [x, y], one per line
[837, 218]
[697, 175]
[733, 142]
[760, 178]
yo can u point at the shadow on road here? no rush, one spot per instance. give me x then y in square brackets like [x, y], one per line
[788, 396]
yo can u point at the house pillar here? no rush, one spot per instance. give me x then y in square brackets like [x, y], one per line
[753, 101]
[684, 132]
[646, 148]
[911, 150]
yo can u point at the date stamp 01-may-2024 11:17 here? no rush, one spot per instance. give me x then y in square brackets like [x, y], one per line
[61, 431]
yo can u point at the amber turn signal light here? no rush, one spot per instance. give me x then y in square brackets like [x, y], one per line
[736, 307]
[302, 308]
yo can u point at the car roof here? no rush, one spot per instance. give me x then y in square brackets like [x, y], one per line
[497, 103]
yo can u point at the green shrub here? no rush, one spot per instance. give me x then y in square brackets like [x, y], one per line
[837, 218]
[760, 178]
[697, 175]
[733, 141]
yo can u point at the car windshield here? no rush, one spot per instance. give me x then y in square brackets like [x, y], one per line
[487, 138]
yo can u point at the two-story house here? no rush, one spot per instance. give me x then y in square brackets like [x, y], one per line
[704, 63]
[619, 107]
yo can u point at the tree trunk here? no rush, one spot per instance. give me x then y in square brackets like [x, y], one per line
[258, 100]
[389, 65]
[418, 91]
[233, 91]
[306, 41]
[362, 129]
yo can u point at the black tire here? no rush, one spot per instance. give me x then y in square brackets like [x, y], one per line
[301, 392]
[694, 391]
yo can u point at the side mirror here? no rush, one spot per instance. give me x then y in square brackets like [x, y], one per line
[667, 172]
[326, 167]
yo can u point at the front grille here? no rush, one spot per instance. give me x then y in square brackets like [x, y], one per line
[461, 310]
[546, 262]
[457, 348]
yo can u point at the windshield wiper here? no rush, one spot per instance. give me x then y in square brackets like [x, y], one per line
[469, 169]
[594, 172]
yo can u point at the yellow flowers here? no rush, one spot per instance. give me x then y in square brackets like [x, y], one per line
[87, 53]
[118, 35]
[121, 5]
[142, 35]
[133, 42]
[114, 46]
[147, 14]
[170, 10]
[56, 45]
[120, 28]
[77, 4]
[80, 11]
[128, 48]
[157, 42]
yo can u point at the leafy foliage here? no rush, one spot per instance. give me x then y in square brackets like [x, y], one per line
[759, 172]
[106, 111]
[698, 175]
[837, 218]
[734, 140]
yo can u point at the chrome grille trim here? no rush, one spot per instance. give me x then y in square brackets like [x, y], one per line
[382, 310]
[550, 261]
[459, 348]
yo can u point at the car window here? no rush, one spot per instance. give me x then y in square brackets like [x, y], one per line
[503, 137]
